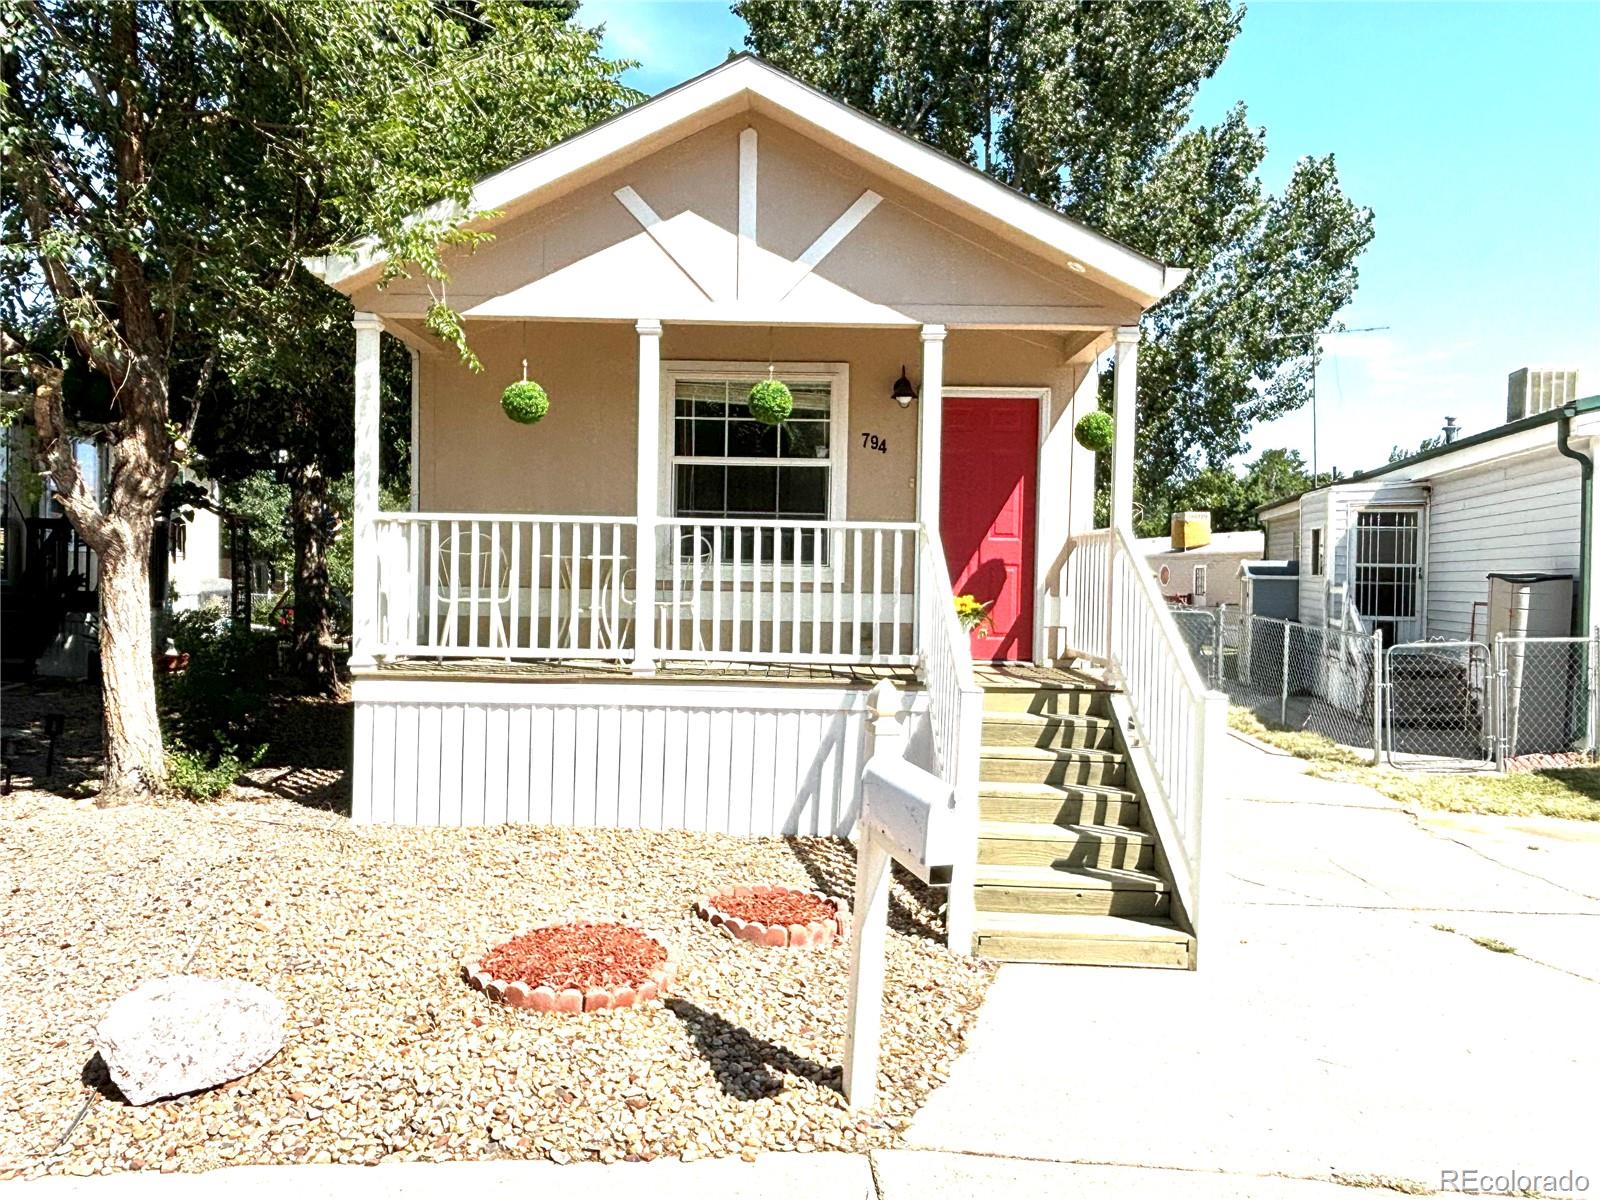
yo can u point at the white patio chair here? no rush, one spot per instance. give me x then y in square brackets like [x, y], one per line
[397, 588]
[476, 568]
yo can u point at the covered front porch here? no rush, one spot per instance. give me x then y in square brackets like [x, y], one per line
[648, 518]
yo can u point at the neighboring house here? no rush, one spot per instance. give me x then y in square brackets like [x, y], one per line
[1203, 575]
[1410, 546]
[50, 578]
[195, 559]
[650, 610]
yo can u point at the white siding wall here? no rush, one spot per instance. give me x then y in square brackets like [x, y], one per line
[743, 760]
[1315, 512]
[1520, 515]
[1280, 533]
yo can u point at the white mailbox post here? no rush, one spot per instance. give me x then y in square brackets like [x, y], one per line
[907, 816]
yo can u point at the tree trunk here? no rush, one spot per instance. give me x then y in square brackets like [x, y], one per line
[135, 763]
[313, 595]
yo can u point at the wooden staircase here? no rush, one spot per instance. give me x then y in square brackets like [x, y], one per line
[1068, 870]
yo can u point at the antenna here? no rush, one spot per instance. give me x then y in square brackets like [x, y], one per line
[1314, 334]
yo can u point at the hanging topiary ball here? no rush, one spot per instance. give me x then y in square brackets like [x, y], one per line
[525, 402]
[771, 402]
[1094, 431]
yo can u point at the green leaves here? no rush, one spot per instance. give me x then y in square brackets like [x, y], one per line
[1087, 107]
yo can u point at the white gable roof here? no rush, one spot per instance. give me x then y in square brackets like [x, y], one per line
[747, 83]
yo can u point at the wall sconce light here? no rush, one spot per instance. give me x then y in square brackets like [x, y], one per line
[902, 392]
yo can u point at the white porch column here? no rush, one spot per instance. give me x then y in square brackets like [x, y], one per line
[930, 423]
[364, 621]
[646, 498]
[1125, 399]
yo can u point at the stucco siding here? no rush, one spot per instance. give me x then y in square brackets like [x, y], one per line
[580, 459]
[584, 254]
[1520, 515]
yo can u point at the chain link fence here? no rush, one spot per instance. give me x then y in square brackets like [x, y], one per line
[1549, 699]
[1430, 705]
[1290, 675]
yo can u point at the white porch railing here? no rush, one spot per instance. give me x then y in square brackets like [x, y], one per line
[531, 586]
[1112, 613]
[788, 591]
[475, 585]
[955, 709]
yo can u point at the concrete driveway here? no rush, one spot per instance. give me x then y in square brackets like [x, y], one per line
[1332, 1031]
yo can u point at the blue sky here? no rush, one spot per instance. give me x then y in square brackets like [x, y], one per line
[1472, 130]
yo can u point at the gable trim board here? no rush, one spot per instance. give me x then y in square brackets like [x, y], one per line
[746, 83]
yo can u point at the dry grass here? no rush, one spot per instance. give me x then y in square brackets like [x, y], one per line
[1570, 793]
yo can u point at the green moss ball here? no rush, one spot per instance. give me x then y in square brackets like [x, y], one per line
[525, 402]
[771, 402]
[1094, 431]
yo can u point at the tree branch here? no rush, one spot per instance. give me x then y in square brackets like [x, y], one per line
[54, 450]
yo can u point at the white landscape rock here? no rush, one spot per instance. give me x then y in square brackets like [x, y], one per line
[183, 1033]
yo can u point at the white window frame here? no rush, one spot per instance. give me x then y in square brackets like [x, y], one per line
[1317, 547]
[836, 375]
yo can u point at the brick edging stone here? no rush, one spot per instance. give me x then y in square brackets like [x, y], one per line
[544, 998]
[814, 935]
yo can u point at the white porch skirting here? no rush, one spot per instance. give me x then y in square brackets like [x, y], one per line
[741, 759]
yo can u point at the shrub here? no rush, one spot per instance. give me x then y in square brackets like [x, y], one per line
[198, 776]
[525, 402]
[1094, 431]
[771, 402]
[222, 698]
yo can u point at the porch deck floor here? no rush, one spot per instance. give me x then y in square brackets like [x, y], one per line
[592, 671]
[808, 674]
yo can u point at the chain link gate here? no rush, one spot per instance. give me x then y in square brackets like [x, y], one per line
[1439, 703]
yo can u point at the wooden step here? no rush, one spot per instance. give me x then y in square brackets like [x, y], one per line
[1083, 940]
[1057, 804]
[1074, 732]
[1107, 891]
[1086, 702]
[1042, 845]
[1031, 764]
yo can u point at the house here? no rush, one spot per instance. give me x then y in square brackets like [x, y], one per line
[50, 578]
[650, 609]
[1198, 568]
[1410, 547]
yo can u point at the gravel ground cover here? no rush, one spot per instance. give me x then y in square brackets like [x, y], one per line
[389, 1054]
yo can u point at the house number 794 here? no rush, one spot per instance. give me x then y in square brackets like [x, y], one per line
[871, 441]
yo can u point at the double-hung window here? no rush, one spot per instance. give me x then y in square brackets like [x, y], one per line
[731, 471]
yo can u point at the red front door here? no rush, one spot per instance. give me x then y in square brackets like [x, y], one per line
[988, 482]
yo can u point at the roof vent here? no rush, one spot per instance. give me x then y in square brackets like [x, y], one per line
[1533, 390]
[1191, 530]
[1451, 430]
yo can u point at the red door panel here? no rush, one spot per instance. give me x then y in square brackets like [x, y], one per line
[987, 484]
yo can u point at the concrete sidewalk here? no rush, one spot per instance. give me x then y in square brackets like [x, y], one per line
[883, 1175]
[1332, 1030]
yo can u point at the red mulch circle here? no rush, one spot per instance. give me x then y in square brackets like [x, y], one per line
[780, 906]
[576, 956]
